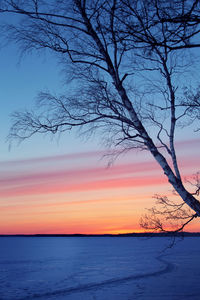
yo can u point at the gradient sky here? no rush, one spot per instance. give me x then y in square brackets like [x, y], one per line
[64, 185]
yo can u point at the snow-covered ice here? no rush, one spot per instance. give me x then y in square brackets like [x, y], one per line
[94, 268]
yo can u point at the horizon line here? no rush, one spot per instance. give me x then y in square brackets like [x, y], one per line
[167, 233]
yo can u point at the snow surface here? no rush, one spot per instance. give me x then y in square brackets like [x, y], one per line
[94, 268]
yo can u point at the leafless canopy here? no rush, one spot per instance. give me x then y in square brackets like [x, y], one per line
[126, 61]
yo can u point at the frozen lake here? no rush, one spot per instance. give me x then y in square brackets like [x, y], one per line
[99, 268]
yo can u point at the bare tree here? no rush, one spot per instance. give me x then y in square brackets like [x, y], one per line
[127, 59]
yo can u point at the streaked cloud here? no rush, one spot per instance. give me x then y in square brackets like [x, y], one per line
[64, 187]
[79, 193]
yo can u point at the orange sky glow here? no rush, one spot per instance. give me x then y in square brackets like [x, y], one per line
[78, 193]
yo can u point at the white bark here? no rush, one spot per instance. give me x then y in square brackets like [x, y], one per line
[174, 180]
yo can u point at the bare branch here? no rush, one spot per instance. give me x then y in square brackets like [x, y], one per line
[167, 211]
[124, 58]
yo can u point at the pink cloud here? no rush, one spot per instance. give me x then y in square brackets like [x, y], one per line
[89, 154]
[50, 159]
[86, 178]
[64, 187]
[84, 173]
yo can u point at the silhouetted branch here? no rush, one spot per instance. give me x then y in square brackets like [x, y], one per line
[167, 215]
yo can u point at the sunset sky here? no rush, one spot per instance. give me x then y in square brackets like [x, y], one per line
[77, 193]
[64, 185]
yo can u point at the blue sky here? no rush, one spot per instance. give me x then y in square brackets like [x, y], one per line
[21, 79]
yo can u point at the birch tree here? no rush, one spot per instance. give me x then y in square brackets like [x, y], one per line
[127, 59]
